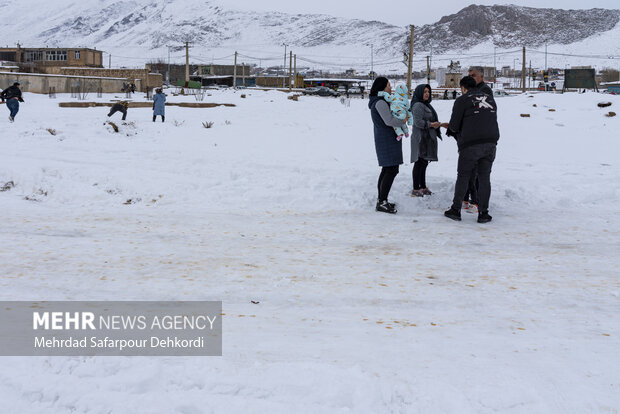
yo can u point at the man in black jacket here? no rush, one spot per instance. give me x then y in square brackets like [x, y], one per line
[13, 96]
[477, 72]
[474, 124]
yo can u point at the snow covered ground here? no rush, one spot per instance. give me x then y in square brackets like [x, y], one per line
[359, 312]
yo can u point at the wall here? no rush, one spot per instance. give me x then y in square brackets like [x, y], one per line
[40, 83]
[140, 77]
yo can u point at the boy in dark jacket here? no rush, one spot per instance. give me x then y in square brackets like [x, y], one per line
[474, 123]
[119, 107]
[13, 96]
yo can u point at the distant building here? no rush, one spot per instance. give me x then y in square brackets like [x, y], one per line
[224, 70]
[45, 59]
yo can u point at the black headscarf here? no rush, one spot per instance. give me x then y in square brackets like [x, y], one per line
[418, 96]
[378, 85]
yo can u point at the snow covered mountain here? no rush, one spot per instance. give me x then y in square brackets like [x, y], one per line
[139, 30]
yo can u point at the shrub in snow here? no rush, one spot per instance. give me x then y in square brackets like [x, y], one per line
[207, 124]
[7, 186]
[51, 131]
[610, 114]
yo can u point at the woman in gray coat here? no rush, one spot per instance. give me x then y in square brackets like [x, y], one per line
[424, 136]
[389, 149]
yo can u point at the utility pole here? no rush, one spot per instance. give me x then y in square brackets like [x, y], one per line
[290, 71]
[410, 63]
[523, 72]
[545, 56]
[428, 69]
[530, 76]
[168, 73]
[186, 64]
[494, 65]
[284, 67]
[372, 58]
[243, 73]
[295, 71]
[109, 61]
[235, 72]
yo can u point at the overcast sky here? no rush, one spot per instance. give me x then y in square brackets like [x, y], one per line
[404, 13]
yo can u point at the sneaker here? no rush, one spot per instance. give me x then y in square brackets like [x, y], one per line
[426, 191]
[484, 217]
[11, 119]
[417, 193]
[385, 207]
[465, 205]
[471, 208]
[453, 214]
[392, 205]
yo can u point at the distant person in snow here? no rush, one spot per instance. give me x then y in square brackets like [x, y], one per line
[119, 107]
[474, 124]
[454, 94]
[159, 105]
[13, 96]
[389, 149]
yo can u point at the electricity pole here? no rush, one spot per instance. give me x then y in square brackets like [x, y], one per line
[523, 72]
[168, 73]
[243, 72]
[235, 72]
[410, 63]
[284, 67]
[109, 61]
[372, 58]
[295, 71]
[428, 69]
[494, 65]
[290, 71]
[186, 64]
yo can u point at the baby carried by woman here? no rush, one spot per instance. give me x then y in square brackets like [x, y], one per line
[399, 105]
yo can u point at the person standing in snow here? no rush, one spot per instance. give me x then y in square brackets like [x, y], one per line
[119, 107]
[389, 149]
[477, 72]
[474, 123]
[13, 96]
[159, 105]
[424, 136]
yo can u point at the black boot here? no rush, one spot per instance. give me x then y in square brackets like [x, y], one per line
[453, 214]
[484, 217]
[163, 118]
[154, 118]
[385, 207]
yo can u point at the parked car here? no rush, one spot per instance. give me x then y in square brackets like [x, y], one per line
[499, 92]
[325, 91]
[311, 91]
[355, 89]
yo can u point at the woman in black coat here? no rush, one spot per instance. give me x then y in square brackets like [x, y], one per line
[389, 149]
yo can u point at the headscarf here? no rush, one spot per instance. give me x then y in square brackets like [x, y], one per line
[418, 96]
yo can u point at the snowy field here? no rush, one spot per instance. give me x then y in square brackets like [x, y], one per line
[359, 312]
